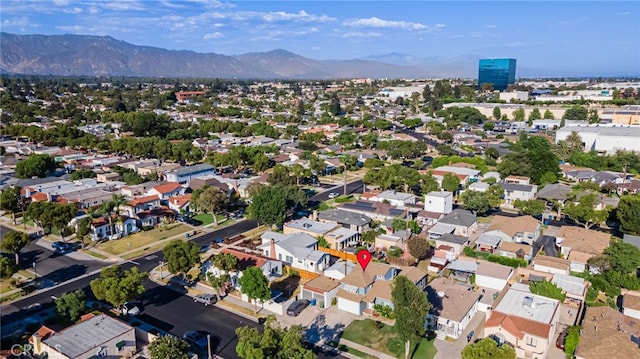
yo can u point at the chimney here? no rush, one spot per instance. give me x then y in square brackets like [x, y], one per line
[273, 249]
[37, 343]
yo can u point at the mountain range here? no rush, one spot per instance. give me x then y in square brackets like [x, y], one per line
[86, 55]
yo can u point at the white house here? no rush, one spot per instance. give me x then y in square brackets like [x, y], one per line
[438, 202]
[166, 190]
[339, 269]
[114, 228]
[631, 304]
[493, 275]
[299, 250]
[514, 191]
[271, 268]
[398, 199]
[321, 288]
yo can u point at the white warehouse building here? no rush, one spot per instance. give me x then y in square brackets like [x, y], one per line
[604, 139]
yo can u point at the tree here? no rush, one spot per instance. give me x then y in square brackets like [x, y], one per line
[8, 267]
[584, 213]
[83, 228]
[418, 247]
[487, 348]
[547, 289]
[410, 307]
[531, 207]
[269, 206]
[492, 152]
[535, 115]
[218, 282]
[624, 257]
[212, 200]
[497, 113]
[574, 141]
[575, 113]
[548, 115]
[36, 166]
[428, 183]
[10, 201]
[518, 115]
[495, 193]
[476, 202]
[168, 347]
[118, 287]
[450, 182]
[274, 342]
[629, 214]
[225, 261]
[13, 242]
[181, 256]
[255, 285]
[70, 306]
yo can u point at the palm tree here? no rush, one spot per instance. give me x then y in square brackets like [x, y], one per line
[118, 200]
[574, 141]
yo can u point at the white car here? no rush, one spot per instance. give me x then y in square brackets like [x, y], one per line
[333, 195]
[129, 309]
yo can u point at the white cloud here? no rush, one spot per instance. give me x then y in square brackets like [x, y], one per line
[123, 5]
[72, 10]
[93, 10]
[484, 34]
[440, 26]
[299, 16]
[388, 24]
[363, 35]
[213, 35]
[61, 2]
[18, 22]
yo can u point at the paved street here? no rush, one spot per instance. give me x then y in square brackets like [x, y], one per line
[352, 187]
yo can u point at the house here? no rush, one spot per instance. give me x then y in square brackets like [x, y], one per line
[337, 237]
[493, 275]
[607, 333]
[271, 268]
[551, 265]
[479, 186]
[375, 210]
[184, 175]
[526, 321]
[454, 242]
[554, 192]
[107, 177]
[513, 191]
[141, 204]
[452, 307]
[438, 202]
[98, 336]
[356, 285]
[180, 204]
[441, 257]
[299, 250]
[112, 228]
[574, 287]
[155, 216]
[522, 229]
[397, 199]
[322, 289]
[631, 304]
[386, 241]
[416, 275]
[464, 221]
[578, 244]
[350, 220]
[515, 250]
[339, 269]
[517, 180]
[166, 191]
[428, 219]
[466, 175]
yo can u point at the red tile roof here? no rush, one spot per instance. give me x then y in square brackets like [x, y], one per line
[246, 260]
[39, 197]
[141, 200]
[518, 326]
[180, 201]
[167, 187]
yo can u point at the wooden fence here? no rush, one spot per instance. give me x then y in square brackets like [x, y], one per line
[306, 275]
[340, 254]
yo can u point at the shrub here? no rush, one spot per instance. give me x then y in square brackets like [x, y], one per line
[511, 262]
[384, 310]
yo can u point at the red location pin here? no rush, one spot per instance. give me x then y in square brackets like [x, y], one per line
[364, 257]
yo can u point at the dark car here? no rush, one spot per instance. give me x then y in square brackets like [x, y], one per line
[297, 307]
[470, 335]
[196, 338]
[561, 339]
[60, 247]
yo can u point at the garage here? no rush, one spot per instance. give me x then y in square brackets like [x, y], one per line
[351, 302]
[321, 289]
[309, 294]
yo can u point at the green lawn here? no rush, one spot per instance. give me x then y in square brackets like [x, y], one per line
[207, 218]
[384, 339]
[142, 239]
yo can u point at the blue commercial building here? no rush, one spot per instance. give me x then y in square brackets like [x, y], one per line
[500, 72]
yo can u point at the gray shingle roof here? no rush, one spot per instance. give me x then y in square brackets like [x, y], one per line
[459, 217]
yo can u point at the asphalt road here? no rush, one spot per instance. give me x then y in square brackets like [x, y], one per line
[352, 187]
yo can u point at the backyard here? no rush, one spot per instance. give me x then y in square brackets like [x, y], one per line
[142, 239]
[382, 337]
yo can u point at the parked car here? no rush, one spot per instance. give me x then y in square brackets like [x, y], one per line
[561, 338]
[297, 307]
[60, 247]
[470, 335]
[129, 309]
[206, 299]
[196, 338]
[333, 195]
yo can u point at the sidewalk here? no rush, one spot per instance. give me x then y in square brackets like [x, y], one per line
[364, 349]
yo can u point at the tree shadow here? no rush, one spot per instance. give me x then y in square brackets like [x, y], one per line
[319, 329]
[60, 275]
[160, 295]
[31, 256]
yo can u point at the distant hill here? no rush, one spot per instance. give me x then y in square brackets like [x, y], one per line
[84, 55]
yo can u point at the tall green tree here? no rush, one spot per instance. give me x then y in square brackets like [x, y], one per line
[70, 306]
[487, 348]
[225, 261]
[13, 242]
[576, 113]
[584, 213]
[8, 267]
[531, 207]
[495, 193]
[212, 200]
[629, 214]
[476, 202]
[624, 257]
[410, 306]
[497, 113]
[548, 115]
[10, 201]
[118, 287]
[450, 182]
[255, 285]
[36, 166]
[269, 206]
[274, 342]
[181, 256]
[168, 347]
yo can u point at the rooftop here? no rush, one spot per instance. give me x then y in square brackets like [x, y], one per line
[80, 338]
[518, 326]
[584, 240]
[570, 284]
[529, 306]
[494, 270]
[606, 331]
[459, 217]
[513, 225]
[322, 284]
[449, 300]
[346, 217]
[441, 194]
[308, 225]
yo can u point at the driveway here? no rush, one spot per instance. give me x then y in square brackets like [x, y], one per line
[448, 349]
[328, 324]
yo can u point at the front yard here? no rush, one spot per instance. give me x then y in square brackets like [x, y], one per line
[382, 337]
[142, 239]
[207, 218]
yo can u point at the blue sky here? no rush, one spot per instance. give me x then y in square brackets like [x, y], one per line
[573, 36]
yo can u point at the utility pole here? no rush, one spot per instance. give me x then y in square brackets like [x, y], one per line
[208, 346]
[345, 179]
